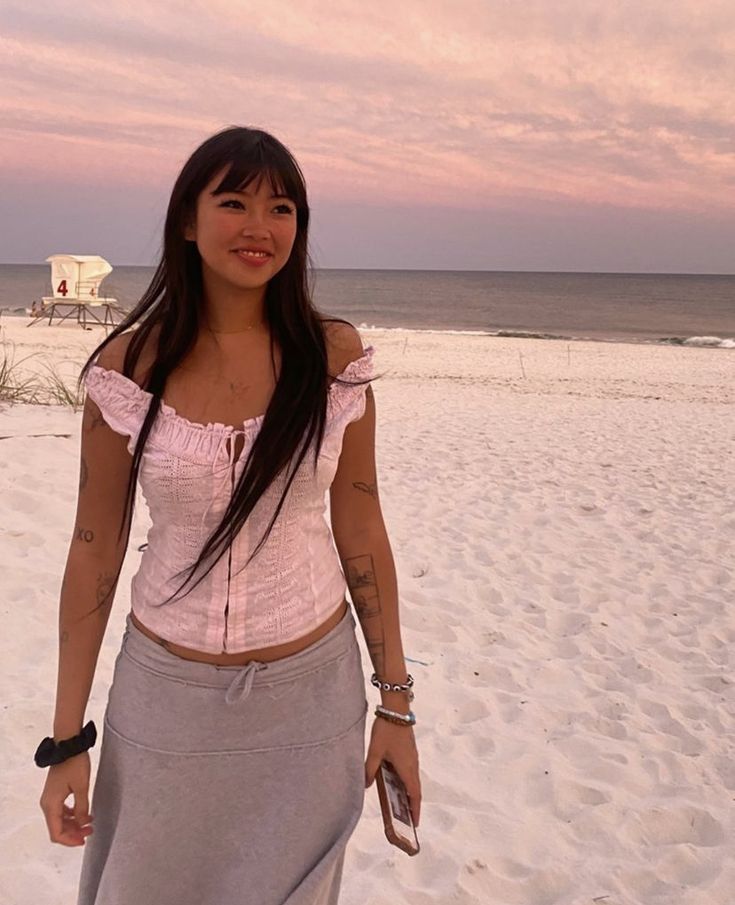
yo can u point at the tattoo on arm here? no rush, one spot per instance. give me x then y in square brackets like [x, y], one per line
[370, 489]
[376, 649]
[361, 581]
[92, 417]
[360, 576]
[106, 584]
[85, 534]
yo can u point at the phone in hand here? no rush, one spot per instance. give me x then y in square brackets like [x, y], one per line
[394, 805]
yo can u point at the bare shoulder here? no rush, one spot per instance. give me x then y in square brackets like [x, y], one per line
[112, 357]
[344, 344]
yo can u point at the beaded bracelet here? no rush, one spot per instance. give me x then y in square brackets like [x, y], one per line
[402, 719]
[387, 686]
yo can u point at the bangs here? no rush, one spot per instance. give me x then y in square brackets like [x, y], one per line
[243, 172]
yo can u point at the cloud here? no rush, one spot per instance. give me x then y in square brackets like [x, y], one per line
[466, 103]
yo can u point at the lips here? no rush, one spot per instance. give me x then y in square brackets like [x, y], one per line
[255, 249]
[253, 260]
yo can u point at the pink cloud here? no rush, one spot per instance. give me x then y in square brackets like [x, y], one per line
[460, 103]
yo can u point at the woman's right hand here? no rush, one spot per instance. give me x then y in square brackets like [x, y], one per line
[68, 826]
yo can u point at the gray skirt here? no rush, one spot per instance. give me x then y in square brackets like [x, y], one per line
[227, 785]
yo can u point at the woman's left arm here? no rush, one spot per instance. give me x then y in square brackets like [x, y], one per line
[367, 561]
[371, 577]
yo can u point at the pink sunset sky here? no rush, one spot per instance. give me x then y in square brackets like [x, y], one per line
[475, 134]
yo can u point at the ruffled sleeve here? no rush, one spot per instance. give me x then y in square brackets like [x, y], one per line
[121, 401]
[347, 403]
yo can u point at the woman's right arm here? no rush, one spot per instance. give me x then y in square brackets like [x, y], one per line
[93, 563]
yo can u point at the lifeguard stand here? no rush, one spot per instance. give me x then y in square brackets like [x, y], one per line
[75, 283]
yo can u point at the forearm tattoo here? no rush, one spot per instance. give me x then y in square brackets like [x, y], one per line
[84, 534]
[360, 577]
[106, 582]
[370, 489]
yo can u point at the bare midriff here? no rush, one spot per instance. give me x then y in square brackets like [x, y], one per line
[240, 658]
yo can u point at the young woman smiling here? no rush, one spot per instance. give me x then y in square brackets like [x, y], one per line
[232, 765]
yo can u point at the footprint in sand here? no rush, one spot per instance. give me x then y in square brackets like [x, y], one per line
[470, 711]
[480, 746]
[572, 797]
[605, 679]
[684, 825]
[564, 798]
[613, 756]
[502, 880]
[566, 624]
[610, 728]
[610, 709]
[442, 819]
[507, 867]
[664, 722]
[564, 649]
[717, 682]
[725, 767]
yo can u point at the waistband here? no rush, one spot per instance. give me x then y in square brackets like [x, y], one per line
[238, 680]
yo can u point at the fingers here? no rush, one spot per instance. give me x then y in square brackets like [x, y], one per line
[410, 778]
[81, 808]
[371, 768]
[413, 789]
[64, 827]
[54, 823]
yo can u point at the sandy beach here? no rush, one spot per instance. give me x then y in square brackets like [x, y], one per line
[562, 525]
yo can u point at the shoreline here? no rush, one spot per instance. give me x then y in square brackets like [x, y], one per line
[695, 341]
[507, 365]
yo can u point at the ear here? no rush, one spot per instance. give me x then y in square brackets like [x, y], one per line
[190, 231]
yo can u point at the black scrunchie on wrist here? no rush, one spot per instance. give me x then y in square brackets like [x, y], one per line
[50, 752]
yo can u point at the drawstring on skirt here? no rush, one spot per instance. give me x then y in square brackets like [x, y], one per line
[247, 673]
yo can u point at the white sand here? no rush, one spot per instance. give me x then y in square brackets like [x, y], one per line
[564, 546]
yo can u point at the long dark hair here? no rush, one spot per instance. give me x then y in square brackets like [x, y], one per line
[298, 410]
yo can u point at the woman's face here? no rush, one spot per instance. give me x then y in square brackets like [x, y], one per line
[231, 223]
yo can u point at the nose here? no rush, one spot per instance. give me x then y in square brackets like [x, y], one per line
[254, 224]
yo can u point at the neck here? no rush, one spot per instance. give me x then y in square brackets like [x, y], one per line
[232, 332]
[228, 309]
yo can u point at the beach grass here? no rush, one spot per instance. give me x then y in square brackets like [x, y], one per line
[17, 386]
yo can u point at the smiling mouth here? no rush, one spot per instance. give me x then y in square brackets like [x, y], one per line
[252, 254]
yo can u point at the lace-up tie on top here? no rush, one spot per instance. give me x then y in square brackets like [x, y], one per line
[226, 442]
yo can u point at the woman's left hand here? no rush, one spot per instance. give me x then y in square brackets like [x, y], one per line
[397, 745]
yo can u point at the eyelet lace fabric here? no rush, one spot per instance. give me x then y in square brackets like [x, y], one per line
[186, 477]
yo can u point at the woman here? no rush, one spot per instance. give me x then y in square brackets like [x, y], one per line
[231, 764]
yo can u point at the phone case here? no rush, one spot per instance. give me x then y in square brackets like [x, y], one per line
[408, 843]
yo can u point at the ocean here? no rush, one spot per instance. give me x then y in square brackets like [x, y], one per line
[612, 307]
